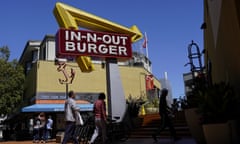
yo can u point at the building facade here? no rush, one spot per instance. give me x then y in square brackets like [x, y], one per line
[45, 87]
[222, 40]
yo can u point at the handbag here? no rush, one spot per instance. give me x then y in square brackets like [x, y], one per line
[79, 120]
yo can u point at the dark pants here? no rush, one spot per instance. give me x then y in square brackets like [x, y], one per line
[69, 132]
[48, 134]
[36, 134]
[42, 133]
[166, 122]
[39, 134]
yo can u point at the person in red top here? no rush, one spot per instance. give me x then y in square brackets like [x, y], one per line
[100, 118]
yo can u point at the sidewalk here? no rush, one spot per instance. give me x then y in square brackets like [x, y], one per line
[129, 141]
[160, 141]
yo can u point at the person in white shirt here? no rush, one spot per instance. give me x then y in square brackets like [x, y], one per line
[36, 130]
[49, 127]
[70, 122]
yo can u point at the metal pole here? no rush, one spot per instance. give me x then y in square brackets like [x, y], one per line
[66, 90]
[116, 98]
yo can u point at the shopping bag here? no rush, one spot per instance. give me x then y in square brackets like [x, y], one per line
[79, 120]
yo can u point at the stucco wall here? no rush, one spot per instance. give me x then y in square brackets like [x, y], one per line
[133, 79]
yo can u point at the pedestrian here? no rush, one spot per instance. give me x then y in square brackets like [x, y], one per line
[49, 127]
[175, 105]
[70, 109]
[42, 129]
[166, 121]
[100, 115]
[36, 130]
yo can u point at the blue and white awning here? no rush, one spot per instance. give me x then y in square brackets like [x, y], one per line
[54, 107]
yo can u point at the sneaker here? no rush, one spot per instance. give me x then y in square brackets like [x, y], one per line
[154, 137]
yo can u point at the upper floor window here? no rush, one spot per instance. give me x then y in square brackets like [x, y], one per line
[34, 56]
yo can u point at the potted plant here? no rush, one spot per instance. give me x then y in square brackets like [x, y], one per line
[152, 106]
[193, 119]
[189, 104]
[134, 105]
[215, 103]
[216, 106]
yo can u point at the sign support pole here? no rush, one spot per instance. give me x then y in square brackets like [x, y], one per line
[66, 90]
[116, 98]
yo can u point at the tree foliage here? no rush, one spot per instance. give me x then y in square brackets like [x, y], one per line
[4, 53]
[11, 82]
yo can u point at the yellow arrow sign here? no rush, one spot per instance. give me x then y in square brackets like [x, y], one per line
[65, 20]
[70, 17]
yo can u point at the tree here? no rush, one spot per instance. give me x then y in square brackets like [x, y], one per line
[4, 53]
[11, 82]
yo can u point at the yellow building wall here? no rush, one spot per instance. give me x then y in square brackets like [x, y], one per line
[48, 78]
[224, 52]
[133, 79]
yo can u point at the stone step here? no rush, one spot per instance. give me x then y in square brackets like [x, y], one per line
[146, 132]
[152, 122]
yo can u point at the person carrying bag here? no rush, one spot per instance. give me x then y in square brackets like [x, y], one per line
[79, 119]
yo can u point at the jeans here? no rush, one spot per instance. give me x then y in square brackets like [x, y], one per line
[69, 132]
[48, 134]
[36, 134]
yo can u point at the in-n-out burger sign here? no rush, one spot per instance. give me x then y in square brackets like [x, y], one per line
[91, 43]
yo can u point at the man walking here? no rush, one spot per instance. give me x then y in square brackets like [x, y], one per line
[69, 109]
[165, 111]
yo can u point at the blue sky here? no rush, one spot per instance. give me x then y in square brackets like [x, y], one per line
[170, 25]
